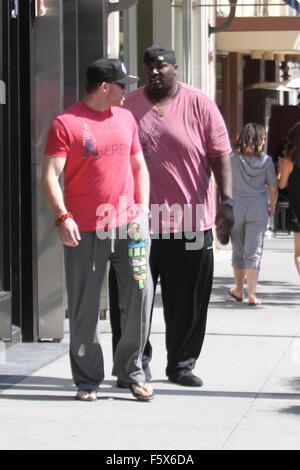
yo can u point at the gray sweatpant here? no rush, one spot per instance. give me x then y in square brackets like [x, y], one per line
[247, 235]
[85, 271]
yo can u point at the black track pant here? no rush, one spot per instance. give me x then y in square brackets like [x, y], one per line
[186, 282]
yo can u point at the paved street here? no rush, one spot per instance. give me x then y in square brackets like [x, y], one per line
[250, 365]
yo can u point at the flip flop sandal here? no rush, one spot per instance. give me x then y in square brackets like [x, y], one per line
[86, 395]
[138, 396]
[235, 297]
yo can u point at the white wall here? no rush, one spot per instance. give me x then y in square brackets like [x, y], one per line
[113, 35]
[168, 30]
[203, 47]
[162, 22]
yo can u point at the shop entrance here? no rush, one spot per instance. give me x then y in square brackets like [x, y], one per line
[5, 258]
[45, 47]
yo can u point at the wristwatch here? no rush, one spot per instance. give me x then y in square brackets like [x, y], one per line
[227, 201]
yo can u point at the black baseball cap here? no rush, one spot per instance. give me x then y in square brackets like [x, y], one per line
[160, 53]
[110, 71]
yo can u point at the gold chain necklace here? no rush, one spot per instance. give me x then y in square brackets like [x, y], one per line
[159, 109]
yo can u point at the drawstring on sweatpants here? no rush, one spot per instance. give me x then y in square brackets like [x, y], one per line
[94, 253]
[113, 240]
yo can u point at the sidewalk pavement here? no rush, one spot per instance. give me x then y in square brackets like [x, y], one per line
[250, 365]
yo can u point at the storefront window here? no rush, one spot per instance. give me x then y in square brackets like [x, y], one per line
[1, 224]
[2, 96]
[4, 161]
[1, 208]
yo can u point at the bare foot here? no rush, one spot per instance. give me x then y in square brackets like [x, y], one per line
[236, 294]
[144, 393]
[148, 388]
[253, 301]
[86, 395]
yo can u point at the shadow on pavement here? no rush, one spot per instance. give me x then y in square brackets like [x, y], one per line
[35, 383]
[293, 383]
[292, 410]
[108, 391]
[284, 295]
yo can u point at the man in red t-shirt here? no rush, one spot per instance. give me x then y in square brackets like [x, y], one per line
[185, 143]
[101, 216]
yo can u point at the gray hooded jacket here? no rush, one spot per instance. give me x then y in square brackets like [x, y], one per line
[252, 175]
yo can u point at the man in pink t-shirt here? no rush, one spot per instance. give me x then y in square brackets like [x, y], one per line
[185, 142]
[101, 216]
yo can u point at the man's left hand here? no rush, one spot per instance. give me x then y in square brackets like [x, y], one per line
[225, 218]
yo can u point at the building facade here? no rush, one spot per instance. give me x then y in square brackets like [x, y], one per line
[45, 47]
[257, 58]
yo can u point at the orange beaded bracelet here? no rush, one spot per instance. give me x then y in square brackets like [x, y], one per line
[62, 218]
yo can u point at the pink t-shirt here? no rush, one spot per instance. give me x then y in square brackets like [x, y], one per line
[98, 147]
[176, 146]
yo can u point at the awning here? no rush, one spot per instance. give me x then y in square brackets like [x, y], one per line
[277, 35]
[287, 42]
[287, 86]
[295, 4]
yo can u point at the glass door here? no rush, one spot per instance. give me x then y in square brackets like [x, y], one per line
[5, 295]
[2, 103]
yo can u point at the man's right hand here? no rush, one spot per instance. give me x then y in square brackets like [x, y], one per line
[69, 233]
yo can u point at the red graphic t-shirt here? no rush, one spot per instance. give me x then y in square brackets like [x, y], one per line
[98, 172]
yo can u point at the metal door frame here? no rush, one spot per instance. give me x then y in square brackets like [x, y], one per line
[18, 183]
[5, 196]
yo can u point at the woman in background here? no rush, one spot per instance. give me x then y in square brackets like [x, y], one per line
[254, 178]
[289, 176]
